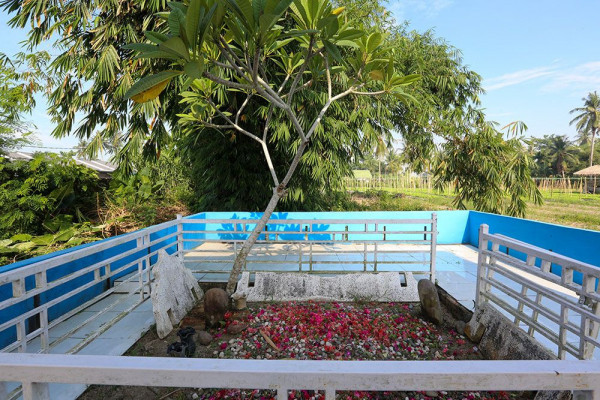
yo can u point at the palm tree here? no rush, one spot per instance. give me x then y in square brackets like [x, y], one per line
[561, 152]
[588, 118]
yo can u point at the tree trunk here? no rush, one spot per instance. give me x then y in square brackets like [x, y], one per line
[278, 193]
[592, 150]
[240, 260]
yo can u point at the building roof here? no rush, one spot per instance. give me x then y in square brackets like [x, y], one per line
[589, 171]
[102, 167]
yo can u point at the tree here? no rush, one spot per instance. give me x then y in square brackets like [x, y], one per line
[588, 119]
[229, 48]
[492, 173]
[19, 81]
[561, 153]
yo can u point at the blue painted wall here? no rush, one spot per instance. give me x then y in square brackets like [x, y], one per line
[452, 225]
[580, 244]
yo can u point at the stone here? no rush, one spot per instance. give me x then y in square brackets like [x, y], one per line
[474, 331]
[204, 338]
[239, 301]
[216, 302]
[382, 286]
[236, 328]
[431, 393]
[430, 301]
[174, 292]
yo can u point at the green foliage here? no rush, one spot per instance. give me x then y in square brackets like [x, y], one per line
[557, 155]
[19, 81]
[37, 196]
[491, 173]
[587, 119]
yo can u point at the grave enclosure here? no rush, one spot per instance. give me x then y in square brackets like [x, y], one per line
[38, 295]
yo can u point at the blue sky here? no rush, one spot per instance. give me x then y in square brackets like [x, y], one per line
[537, 58]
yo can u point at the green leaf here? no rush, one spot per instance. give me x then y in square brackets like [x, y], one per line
[176, 22]
[21, 237]
[157, 54]
[192, 20]
[373, 41]
[333, 50]
[149, 87]
[156, 37]
[205, 23]
[5, 242]
[243, 10]
[175, 5]
[404, 80]
[64, 235]
[350, 34]
[25, 246]
[44, 240]
[140, 47]
[194, 69]
[404, 97]
[176, 46]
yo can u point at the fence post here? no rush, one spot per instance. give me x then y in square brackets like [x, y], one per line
[585, 395]
[180, 237]
[433, 253]
[483, 245]
[35, 391]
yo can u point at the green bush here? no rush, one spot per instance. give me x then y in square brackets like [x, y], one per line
[45, 194]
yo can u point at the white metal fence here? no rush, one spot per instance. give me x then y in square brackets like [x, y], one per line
[50, 278]
[314, 246]
[568, 317]
[49, 284]
[36, 371]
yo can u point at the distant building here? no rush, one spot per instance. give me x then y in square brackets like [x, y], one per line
[103, 168]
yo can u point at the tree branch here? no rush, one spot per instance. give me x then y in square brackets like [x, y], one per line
[225, 82]
[233, 124]
[302, 69]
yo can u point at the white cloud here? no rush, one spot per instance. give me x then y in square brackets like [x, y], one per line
[581, 77]
[578, 78]
[515, 78]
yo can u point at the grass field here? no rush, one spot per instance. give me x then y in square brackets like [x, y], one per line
[572, 209]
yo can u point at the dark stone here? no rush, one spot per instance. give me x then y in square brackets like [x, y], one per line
[204, 338]
[430, 301]
[186, 335]
[176, 349]
[216, 302]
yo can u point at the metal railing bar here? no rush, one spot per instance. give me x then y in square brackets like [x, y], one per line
[541, 310]
[282, 374]
[515, 262]
[543, 330]
[300, 232]
[65, 296]
[565, 262]
[295, 262]
[52, 284]
[309, 221]
[314, 242]
[571, 305]
[43, 265]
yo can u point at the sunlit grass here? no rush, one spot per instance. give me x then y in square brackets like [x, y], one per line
[564, 208]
